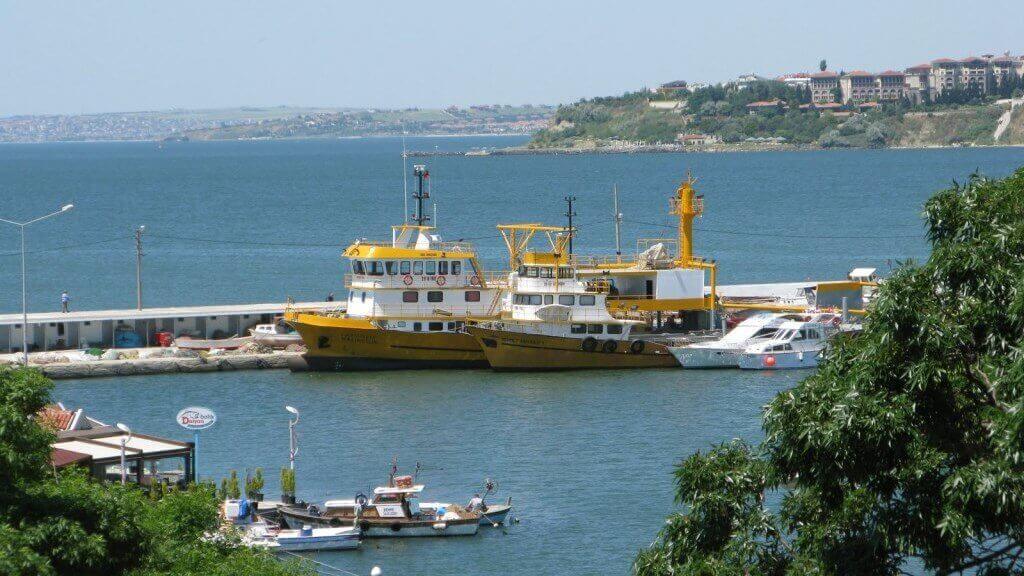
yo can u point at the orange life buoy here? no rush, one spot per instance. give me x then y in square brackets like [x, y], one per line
[407, 279]
[440, 280]
[474, 280]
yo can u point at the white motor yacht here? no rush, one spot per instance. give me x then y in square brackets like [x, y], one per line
[796, 344]
[724, 352]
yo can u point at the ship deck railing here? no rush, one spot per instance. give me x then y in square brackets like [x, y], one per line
[436, 246]
[493, 280]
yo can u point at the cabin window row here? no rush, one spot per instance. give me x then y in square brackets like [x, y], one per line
[413, 296]
[434, 326]
[403, 267]
[595, 329]
[544, 272]
[544, 299]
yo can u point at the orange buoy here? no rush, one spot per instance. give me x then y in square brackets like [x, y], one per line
[769, 361]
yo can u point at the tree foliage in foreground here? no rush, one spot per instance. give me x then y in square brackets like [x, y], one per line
[67, 523]
[903, 452]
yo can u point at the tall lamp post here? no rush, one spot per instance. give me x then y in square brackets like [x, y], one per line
[24, 291]
[124, 442]
[293, 447]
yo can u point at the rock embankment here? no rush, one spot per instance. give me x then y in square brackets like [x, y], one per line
[168, 365]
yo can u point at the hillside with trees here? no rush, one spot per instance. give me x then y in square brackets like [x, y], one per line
[784, 117]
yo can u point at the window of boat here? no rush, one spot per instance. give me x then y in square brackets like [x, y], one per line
[442, 267]
[456, 267]
[451, 326]
[763, 332]
[549, 299]
[410, 296]
[404, 267]
[522, 271]
[531, 271]
[357, 267]
[417, 326]
[564, 272]
[566, 299]
[578, 328]
[800, 335]
[459, 325]
[535, 299]
[363, 297]
[417, 267]
[814, 335]
[431, 267]
[587, 300]
[435, 296]
[392, 267]
[472, 295]
[546, 272]
[615, 328]
[595, 328]
[436, 326]
[376, 268]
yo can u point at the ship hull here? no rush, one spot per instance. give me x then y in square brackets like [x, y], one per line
[353, 344]
[512, 351]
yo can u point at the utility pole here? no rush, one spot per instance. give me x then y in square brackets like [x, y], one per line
[569, 214]
[421, 173]
[138, 266]
[618, 222]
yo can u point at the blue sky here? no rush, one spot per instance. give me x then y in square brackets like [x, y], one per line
[75, 57]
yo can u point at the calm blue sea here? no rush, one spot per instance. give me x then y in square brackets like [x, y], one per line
[588, 456]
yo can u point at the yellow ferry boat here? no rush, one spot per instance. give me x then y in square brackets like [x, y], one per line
[560, 314]
[407, 304]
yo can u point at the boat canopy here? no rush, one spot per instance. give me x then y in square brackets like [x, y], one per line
[395, 490]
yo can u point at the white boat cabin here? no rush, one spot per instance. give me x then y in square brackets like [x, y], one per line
[417, 282]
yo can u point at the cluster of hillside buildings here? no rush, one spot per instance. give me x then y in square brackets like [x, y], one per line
[924, 82]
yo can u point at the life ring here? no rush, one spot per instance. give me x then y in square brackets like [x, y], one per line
[441, 281]
[361, 499]
[637, 347]
[609, 346]
[355, 252]
[589, 344]
[407, 279]
[474, 280]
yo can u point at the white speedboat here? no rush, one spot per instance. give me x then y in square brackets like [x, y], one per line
[724, 352]
[796, 344]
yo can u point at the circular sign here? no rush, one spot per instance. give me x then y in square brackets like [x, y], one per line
[196, 418]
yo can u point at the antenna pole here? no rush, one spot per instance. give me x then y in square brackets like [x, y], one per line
[405, 183]
[569, 214]
[421, 173]
[618, 222]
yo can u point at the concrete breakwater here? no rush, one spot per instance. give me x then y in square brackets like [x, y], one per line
[168, 365]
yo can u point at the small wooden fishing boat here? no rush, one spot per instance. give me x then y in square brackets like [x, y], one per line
[241, 515]
[394, 512]
[189, 343]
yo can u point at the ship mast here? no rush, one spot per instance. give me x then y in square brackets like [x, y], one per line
[618, 222]
[421, 173]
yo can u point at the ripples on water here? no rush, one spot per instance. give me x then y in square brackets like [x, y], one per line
[586, 456]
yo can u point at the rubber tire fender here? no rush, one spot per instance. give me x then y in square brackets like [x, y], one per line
[589, 344]
[609, 346]
[637, 347]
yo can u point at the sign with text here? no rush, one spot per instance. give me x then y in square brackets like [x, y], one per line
[196, 418]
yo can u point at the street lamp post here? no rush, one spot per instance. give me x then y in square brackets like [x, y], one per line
[24, 291]
[124, 441]
[293, 446]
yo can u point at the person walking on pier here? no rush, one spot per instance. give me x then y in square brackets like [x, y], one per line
[65, 301]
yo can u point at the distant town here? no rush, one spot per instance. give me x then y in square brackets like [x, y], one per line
[274, 122]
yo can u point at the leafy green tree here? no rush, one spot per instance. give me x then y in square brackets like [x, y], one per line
[904, 451]
[55, 523]
[823, 65]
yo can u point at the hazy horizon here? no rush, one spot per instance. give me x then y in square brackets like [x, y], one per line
[70, 58]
